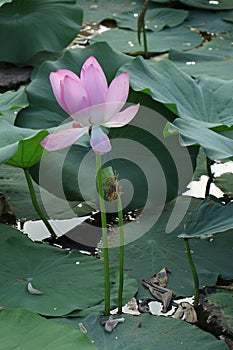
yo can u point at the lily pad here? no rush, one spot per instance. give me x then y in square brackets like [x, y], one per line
[105, 9]
[14, 187]
[223, 300]
[137, 333]
[209, 218]
[155, 20]
[179, 38]
[29, 151]
[210, 5]
[12, 101]
[43, 21]
[10, 137]
[228, 17]
[23, 330]
[2, 2]
[214, 58]
[69, 280]
[202, 105]
[156, 249]
[209, 22]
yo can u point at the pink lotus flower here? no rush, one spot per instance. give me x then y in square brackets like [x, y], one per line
[91, 103]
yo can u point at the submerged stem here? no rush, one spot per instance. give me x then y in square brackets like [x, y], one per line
[210, 176]
[121, 258]
[36, 205]
[104, 234]
[194, 272]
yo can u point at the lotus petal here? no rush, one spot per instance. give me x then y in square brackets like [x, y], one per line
[62, 138]
[100, 141]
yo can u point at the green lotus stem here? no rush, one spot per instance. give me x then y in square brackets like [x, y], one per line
[104, 234]
[194, 272]
[121, 257]
[145, 40]
[141, 27]
[210, 175]
[36, 205]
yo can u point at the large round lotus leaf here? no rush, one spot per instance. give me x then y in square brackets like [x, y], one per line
[38, 25]
[212, 22]
[223, 300]
[228, 17]
[210, 4]
[24, 330]
[155, 19]
[29, 151]
[147, 332]
[10, 138]
[179, 38]
[157, 249]
[209, 106]
[214, 58]
[14, 187]
[2, 2]
[69, 280]
[211, 217]
[105, 9]
[12, 101]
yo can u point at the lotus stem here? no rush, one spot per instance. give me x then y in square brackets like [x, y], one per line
[194, 272]
[141, 27]
[36, 205]
[104, 234]
[121, 257]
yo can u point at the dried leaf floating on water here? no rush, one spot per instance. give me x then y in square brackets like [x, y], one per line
[111, 323]
[186, 310]
[161, 278]
[32, 290]
[156, 286]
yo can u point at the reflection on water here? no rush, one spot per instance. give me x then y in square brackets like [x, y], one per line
[36, 230]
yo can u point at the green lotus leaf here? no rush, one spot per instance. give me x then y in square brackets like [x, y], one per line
[14, 187]
[210, 5]
[211, 217]
[29, 151]
[202, 105]
[34, 26]
[12, 101]
[228, 17]
[225, 183]
[161, 1]
[2, 2]
[215, 145]
[179, 38]
[209, 22]
[98, 12]
[10, 137]
[155, 20]
[157, 248]
[23, 330]
[223, 301]
[68, 280]
[214, 59]
[136, 332]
